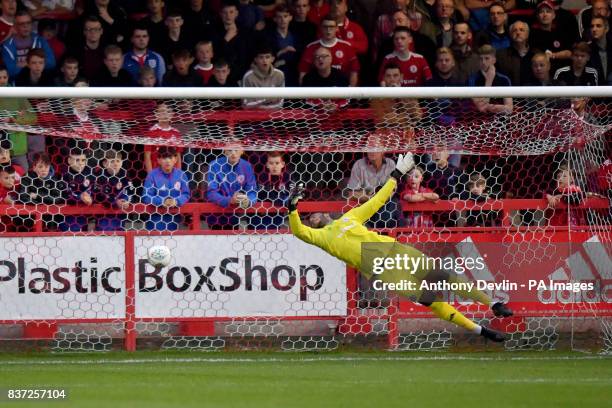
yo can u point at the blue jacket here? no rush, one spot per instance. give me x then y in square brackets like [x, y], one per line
[158, 186]
[224, 180]
[152, 59]
[9, 54]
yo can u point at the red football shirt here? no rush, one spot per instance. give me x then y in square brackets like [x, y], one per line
[415, 69]
[343, 56]
[204, 72]
[352, 33]
[6, 29]
[171, 134]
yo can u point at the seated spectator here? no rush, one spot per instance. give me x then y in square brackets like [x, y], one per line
[147, 78]
[34, 73]
[231, 42]
[515, 61]
[343, 56]
[263, 74]
[8, 193]
[166, 186]
[273, 184]
[285, 45]
[155, 23]
[488, 76]
[467, 62]
[577, 74]
[140, 55]
[69, 72]
[368, 174]
[305, 30]
[204, 57]
[199, 19]
[398, 114]
[565, 191]
[48, 30]
[414, 192]
[231, 182]
[476, 191]
[20, 112]
[550, 37]
[7, 18]
[601, 50]
[113, 189]
[112, 73]
[165, 133]
[91, 52]
[175, 38]
[41, 186]
[250, 16]
[420, 44]
[540, 70]
[181, 74]
[443, 170]
[5, 159]
[79, 181]
[414, 68]
[221, 75]
[598, 8]
[16, 48]
[324, 75]
[495, 34]
[348, 30]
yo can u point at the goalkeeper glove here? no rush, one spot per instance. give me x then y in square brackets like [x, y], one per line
[296, 193]
[405, 163]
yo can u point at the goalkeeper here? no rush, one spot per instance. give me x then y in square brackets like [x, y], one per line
[343, 238]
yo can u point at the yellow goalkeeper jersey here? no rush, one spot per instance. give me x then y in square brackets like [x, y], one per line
[343, 237]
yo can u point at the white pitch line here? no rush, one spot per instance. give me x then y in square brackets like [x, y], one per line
[293, 360]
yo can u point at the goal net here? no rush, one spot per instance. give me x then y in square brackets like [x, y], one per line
[518, 178]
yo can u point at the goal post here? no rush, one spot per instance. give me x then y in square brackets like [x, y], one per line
[520, 177]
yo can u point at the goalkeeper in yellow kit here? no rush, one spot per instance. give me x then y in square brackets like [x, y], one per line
[343, 238]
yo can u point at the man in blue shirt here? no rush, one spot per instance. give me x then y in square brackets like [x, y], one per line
[167, 187]
[231, 182]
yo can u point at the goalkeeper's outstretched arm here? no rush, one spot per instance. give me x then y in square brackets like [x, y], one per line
[405, 163]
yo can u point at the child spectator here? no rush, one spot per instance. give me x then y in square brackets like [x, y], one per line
[231, 182]
[5, 160]
[221, 75]
[204, 55]
[21, 113]
[414, 68]
[416, 193]
[69, 72]
[79, 182]
[273, 188]
[476, 192]
[8, 193]
[263, 74]
[175, 37]
[41, 186]
[577, 74]
[285, 45]
[34, 73]
[112, 73]
[181, 74]
[48, 30]
[566, 191]
[162, 130]
[146, 77]
[166, 186]
[113, 189]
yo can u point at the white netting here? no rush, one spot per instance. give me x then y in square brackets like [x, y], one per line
[525, 181]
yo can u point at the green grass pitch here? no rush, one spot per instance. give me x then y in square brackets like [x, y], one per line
[334, 379]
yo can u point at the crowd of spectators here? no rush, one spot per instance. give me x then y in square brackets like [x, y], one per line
[271, 44]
